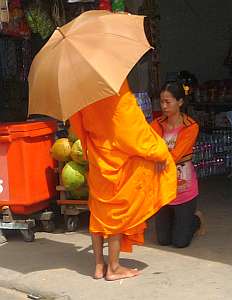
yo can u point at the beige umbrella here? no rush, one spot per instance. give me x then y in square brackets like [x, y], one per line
[84, 61]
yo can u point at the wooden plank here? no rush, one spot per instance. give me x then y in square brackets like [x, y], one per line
[75, 202]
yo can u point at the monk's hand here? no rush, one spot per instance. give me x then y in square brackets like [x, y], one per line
[160, 166]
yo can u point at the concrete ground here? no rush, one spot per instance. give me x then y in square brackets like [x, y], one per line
[6, 294]
[60, 265]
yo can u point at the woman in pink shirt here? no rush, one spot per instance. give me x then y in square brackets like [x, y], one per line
[177, 222]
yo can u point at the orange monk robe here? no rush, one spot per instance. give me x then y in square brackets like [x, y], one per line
[124, 188]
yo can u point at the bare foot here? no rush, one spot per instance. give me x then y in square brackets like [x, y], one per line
[100, 271]
[202, 230]
[120, 273]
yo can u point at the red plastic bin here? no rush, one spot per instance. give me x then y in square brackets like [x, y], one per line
[27, 176]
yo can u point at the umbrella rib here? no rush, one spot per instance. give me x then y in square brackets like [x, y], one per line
[123, 37]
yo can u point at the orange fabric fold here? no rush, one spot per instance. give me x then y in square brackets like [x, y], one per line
[122, 148]
[186, 138]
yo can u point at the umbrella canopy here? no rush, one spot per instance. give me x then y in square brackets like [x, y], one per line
[84, 61]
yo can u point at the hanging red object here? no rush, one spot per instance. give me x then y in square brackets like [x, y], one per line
[105, 5]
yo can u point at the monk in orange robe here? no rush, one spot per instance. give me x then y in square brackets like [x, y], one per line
[131, 176]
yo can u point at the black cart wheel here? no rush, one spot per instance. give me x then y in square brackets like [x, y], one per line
[28, 235]
[48, 226]
[72, 223]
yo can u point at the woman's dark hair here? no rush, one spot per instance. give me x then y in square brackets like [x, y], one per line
[175, 88]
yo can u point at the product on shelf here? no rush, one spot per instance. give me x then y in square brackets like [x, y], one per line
[68, 151]
[213, 153]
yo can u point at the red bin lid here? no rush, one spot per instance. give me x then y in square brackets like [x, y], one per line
[29, 125]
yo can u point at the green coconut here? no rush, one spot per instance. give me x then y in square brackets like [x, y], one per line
[77, 153]
[61, 149]
[82, 193]
[73, 176]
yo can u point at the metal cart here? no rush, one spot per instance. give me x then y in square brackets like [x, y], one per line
[26, 224]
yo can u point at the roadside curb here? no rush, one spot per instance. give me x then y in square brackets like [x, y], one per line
[31, 291]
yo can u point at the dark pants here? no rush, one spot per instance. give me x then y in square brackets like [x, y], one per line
[176, 224]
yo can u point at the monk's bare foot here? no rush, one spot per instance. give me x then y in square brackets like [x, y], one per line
[120, 273]
[202, 230]
[100, 271]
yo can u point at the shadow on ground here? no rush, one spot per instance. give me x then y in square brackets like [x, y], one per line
[45, 254]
